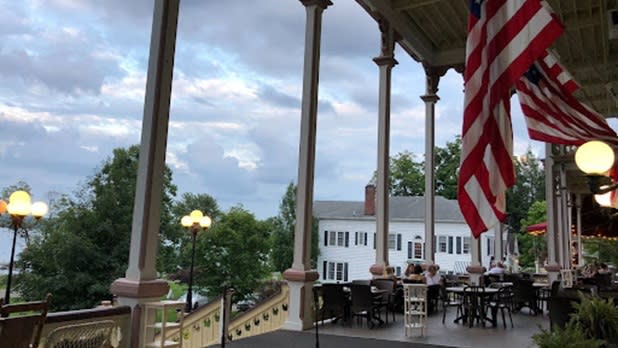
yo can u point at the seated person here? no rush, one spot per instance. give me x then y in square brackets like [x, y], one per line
[498, 269]
[432, 277]
[433, 281]
[416, 276]
[389, 273]
[409, 270]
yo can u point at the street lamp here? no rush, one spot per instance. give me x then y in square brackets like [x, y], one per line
[20, 205]
[595, 158]
[194, 221]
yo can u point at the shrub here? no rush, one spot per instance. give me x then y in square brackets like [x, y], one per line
[569, 337]
[597, 318]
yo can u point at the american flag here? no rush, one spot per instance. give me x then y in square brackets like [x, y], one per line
[552, 113]
[504, 38]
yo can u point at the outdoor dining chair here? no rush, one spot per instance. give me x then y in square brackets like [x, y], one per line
[450, 300]
[365, 304]
[388, 300]
[502, 301]
[335, 302]
[21, 324]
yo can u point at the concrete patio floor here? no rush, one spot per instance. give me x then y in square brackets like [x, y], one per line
[449, 334]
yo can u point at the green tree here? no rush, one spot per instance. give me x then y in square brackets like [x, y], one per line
[532, 247]
[407, 176]
[283, 226]
[232, 253]
[84, 246]
[529, 188]
[447, 168]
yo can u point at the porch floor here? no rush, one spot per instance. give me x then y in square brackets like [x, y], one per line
[448, 334]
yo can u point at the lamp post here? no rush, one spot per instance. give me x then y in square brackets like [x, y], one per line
[194, 222]
[20, 205]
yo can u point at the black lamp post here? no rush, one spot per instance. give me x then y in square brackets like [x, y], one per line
[194, 222]
[19, 207]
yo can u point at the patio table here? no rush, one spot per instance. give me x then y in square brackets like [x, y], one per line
[487, 293]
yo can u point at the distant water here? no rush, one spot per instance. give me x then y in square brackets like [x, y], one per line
[6, 238]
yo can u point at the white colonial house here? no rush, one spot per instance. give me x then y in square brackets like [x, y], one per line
[347, 236]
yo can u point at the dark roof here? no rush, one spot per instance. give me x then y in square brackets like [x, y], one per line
[400, 208]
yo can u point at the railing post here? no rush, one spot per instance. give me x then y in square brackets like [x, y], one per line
[226, 309]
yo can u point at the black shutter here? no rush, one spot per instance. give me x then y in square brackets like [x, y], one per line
[347, 239]
[345, 272]
[325, 238]
[374, 240]
[398, 241]
[355, 238]
[366, 238]
[324, 266]
[409, 250]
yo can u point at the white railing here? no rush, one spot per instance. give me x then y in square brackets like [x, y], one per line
[202, 328]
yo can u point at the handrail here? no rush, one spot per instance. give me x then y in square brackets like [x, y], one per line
[201, 328]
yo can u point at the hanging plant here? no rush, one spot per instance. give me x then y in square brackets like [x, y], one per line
[276, 311]
[217, 317]
[266, 316]
[256, 321]
[238, 332]
[285, 307]
[207, 322]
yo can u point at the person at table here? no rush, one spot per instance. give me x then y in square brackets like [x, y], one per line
[389, 273]
[416, 276]
[432, 277]
[497, 269]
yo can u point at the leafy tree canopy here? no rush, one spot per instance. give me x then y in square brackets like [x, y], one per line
[84, 246]
[283, 226]
[232, 253]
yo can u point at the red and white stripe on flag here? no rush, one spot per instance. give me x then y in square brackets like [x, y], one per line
[504, 38]
[552, 113]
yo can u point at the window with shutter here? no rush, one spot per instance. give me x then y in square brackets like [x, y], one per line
[399, 241]
[409, 250]
[347, 239]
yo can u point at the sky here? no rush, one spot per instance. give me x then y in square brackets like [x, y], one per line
[73, 76]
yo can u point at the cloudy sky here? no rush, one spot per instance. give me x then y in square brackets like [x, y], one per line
[73, 75]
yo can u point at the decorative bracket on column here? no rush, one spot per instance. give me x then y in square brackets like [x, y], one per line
[321, 3]
[387, 49]
[433, 74]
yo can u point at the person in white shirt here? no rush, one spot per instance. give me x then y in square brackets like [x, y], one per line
[431, 276]
[498, 269]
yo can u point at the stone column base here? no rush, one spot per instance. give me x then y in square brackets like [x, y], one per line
[476, 274]
[300, 308]
[133, 294]
[553, 272]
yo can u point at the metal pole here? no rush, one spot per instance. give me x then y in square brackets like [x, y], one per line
[7, 295]
[316, 303]
[189, 305]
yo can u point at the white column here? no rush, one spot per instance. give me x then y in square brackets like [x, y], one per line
[498, 243]
[430, 98]
[475, 270]
[301, 277]
[578, 207]
[552, 266]
[140, 283]
[385, 63]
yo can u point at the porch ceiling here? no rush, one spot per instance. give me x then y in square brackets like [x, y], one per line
[434, 32]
